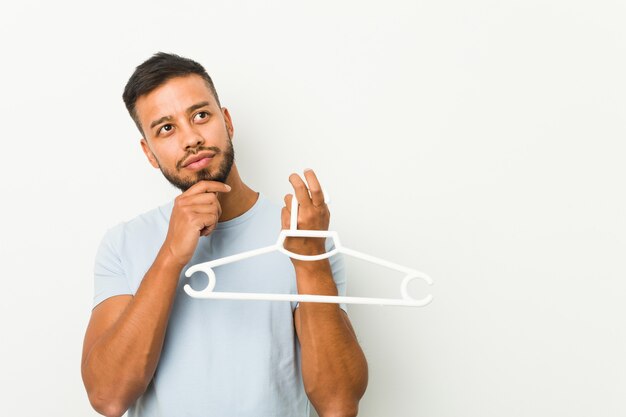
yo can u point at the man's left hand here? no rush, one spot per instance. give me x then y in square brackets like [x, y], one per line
[313, 214]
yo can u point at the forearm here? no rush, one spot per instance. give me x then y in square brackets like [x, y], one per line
[121, 363]
[334, 368]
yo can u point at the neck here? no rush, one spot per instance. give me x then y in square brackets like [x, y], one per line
[240, 199]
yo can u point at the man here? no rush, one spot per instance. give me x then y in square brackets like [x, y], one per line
[151, 349]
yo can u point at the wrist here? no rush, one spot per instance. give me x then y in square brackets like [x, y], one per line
[307, 246]
[167, 259]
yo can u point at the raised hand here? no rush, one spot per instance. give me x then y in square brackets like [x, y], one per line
[195, 213]
[313, 214]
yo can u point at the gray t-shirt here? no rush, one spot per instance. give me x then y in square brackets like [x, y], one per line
[220, 357]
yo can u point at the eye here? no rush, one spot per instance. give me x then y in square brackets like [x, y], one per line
[201, 116]
[165, 129]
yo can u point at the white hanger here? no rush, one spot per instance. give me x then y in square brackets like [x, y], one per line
[207, 268]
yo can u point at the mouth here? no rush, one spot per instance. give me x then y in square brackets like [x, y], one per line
[199, 161]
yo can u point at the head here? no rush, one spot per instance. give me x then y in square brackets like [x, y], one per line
[185, 131]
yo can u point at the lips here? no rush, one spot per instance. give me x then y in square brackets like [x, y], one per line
[198, 157]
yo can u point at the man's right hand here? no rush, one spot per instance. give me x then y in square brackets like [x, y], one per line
[195, 213]
[119, 357]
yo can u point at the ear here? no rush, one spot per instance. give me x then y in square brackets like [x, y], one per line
[146, 149]
[228, 121]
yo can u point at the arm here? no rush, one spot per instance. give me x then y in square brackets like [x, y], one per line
[334, 367]
[124, 338]
[125, 334]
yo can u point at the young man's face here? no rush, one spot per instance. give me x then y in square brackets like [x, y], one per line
[186, 134]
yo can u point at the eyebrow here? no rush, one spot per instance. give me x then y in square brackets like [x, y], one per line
[189, 110]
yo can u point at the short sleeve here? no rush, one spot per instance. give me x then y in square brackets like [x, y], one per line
[109, 275]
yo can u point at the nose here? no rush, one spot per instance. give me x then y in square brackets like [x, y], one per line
[191, 139]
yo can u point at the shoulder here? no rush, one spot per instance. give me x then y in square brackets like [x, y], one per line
[155, 218]
[150, 224]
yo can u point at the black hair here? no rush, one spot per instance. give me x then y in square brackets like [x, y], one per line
[154, 72]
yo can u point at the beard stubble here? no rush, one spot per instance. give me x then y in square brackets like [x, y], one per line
[219, 175]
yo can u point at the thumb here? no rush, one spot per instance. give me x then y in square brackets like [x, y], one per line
[285, 217]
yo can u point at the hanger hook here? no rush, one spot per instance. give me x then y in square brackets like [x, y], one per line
[404, 288]
[209, 273]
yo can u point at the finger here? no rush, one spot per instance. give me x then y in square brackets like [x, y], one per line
[202, 198]
[302, 193]
[285, 218]
[204, 209]
[208, 187]
[207, 230]
[208, 220]
[286, 211]
[288, 199]
[317, 195]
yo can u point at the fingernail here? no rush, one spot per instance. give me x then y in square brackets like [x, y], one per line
[227, 187]
[307, 169]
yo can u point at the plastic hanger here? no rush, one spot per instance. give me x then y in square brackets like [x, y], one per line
[207, 268]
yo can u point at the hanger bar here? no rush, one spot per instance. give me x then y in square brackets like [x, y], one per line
[305, 298]
[229, 259]
[385, 263]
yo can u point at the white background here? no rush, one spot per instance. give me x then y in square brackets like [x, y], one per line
[481, 142]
